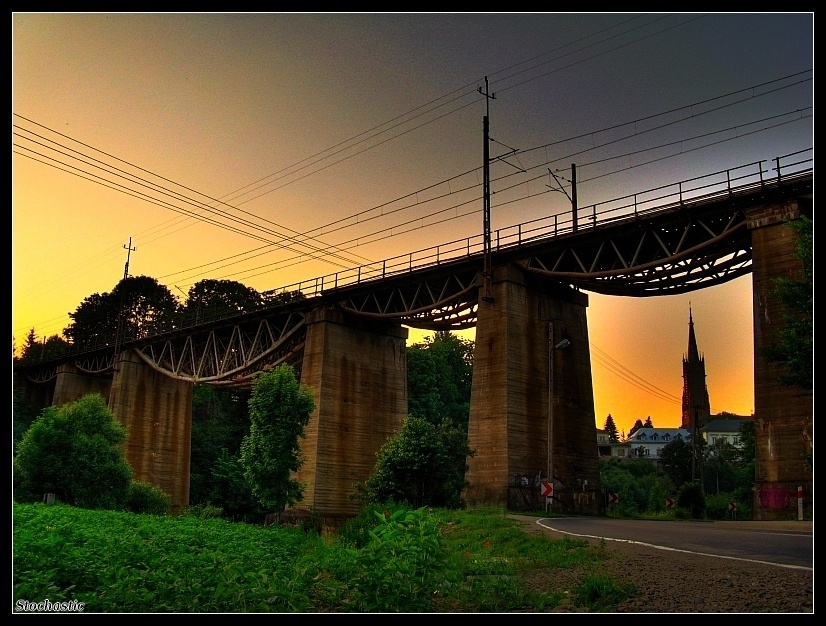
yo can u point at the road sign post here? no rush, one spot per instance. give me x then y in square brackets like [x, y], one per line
[546, 488]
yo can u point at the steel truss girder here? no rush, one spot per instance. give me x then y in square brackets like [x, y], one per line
[41, 375]
[443, 301]
[231, 355]
[679, 255]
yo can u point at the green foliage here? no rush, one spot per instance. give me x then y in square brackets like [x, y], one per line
[220, 420]
[793, 351]
[637, 483]
[75, 452]
[356, 531]
[412, 560]
[149, 499]
[137, 307]
[657, 495]
[747, 443]
[23, 413]
[676, 457]
[717, 506]
[232, 491]
[600, 592]
[439, 374]
[280, 408]
[421, 465]
[692, 500]
[33, 351]
[203, 511]
[399, 569]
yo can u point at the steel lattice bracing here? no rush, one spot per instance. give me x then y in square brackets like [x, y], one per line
[674, 248]
[231, 355]
[691, 250]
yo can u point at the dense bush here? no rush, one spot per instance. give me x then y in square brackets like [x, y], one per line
[640, 487]
[76, 453]
[691, 499]
[146, 498]
[422, 465]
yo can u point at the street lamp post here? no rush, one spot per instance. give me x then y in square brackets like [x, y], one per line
[552, 347]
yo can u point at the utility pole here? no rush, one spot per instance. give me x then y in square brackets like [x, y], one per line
[694, 443]
[121, 317]
[571, 197]
[129, 250]
[488, 296]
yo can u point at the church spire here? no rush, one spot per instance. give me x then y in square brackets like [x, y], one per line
[693, 352]
[696, 405]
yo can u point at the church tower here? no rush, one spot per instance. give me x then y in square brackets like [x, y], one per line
[695, 393]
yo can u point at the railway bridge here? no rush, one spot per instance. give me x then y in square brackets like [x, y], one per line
[524, 288]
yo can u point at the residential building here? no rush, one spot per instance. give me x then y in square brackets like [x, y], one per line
[723, 429]
[648, 443]
[603, 442]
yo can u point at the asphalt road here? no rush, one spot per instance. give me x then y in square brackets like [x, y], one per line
[780, 543]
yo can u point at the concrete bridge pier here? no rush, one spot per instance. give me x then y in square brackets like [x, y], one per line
[783, 415]
[157, 413]
[71, 384]
[532, 382]
[357, 370]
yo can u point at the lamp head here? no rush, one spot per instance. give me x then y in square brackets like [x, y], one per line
[562, 344]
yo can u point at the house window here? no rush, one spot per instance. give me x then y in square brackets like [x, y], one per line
[667, 437]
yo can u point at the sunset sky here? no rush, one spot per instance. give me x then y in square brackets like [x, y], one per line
[227, 146]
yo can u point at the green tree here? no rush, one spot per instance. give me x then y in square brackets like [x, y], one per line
[76, 452]
[648, 422]
[439, 373]
[422, 465]
[634, 481]
[231, 491]
[34, 351]
[676, 457]
[220, 421]
[611, 428]
[637, 425]
[747, 449]
[212, 299]
[280, 408]
[137, 307]
[793, 352]
[691, 499]
[23, 413]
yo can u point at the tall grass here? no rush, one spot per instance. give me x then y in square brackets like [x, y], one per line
[392, 559]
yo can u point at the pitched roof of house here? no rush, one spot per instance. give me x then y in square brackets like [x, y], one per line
[728, 425]
[647, 434]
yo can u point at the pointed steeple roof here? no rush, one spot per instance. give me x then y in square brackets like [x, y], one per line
[693, 352]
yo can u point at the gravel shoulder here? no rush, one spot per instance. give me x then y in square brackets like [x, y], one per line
[679, 582]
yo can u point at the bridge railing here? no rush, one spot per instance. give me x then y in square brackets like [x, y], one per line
[674, 196]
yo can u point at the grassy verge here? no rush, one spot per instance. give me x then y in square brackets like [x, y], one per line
[388, 560]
